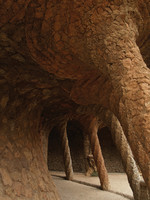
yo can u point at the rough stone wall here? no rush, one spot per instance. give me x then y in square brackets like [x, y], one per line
[23, 170]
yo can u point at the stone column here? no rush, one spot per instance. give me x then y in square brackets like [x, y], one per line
[140, 191]
[127, 157]
[98, 157]
[66, 151]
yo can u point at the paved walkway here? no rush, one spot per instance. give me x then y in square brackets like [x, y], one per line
[88, 188]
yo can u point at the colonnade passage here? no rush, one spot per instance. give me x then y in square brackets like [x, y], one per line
[68, 69]
[86, 140]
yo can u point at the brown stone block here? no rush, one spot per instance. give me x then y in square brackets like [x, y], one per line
[7, 181]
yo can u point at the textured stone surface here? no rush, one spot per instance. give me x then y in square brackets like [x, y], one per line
[64, 59]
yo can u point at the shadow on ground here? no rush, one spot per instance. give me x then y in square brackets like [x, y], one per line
[88, 188]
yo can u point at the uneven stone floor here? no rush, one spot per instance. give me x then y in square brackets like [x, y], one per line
[87, 188]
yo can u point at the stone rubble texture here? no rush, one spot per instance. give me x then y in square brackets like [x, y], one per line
[64, 59]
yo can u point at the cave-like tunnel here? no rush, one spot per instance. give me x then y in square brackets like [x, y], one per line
[67, 70]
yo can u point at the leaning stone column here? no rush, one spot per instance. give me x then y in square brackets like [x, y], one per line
[98, 157]
[130, 167]
[66, 151]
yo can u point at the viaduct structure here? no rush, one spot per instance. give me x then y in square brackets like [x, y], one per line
[68, 59]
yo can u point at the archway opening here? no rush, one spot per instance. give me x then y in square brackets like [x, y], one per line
[110, 153]
[55, 157]
[75, 138]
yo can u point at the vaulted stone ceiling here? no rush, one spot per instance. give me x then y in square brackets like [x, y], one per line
[60, 29]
